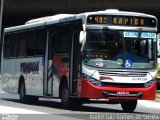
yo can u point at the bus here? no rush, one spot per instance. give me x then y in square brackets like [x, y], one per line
[93, 57]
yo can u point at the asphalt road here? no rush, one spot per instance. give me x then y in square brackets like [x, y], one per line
[9, 104]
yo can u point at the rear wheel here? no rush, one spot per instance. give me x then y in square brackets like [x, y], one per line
[25, 98]
[33, 99]
[129, 106]
[22, 93]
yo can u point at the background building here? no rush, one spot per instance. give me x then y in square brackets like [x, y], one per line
[17, 12]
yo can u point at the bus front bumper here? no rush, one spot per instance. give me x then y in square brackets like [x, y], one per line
[88, 90]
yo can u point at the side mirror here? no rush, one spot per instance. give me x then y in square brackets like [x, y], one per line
[82, 36]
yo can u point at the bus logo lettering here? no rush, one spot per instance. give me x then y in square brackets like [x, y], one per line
[29, 67]
[67, 19]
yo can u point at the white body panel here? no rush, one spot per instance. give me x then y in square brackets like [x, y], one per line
[33, 80]
[12, 70]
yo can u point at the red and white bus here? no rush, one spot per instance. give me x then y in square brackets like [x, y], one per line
[89, 57]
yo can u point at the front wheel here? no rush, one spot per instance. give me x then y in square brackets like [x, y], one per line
[129, 106]
[67, 101]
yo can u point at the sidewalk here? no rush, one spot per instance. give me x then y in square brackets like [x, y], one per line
[13, 110]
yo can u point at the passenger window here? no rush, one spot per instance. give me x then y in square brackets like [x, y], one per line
[36, 42]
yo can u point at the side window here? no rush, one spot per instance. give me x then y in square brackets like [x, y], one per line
[36, 42]
[22, 45]
[65, 39]
[41, 36]
[7, 48]
[53, 43]
[31, 43]
[15, 45]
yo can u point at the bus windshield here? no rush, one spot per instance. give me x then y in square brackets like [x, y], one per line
[117, 49]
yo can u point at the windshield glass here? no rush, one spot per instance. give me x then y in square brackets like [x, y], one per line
[120, 49]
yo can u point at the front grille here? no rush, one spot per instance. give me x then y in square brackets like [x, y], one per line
[123, 73]
[123, 85]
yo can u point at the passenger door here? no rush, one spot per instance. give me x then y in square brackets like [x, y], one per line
[48, 74]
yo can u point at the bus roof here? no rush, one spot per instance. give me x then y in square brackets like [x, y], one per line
[117, 12]
[49, 18]
[59, 18]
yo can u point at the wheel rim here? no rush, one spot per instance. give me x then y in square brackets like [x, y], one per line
[65, 96]
[22, 92]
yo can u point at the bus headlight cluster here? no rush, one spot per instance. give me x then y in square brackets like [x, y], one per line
[93, 81]
[149, 83]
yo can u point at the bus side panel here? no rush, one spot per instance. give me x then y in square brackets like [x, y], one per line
[9, 81]
[32, 68]
[32, 71]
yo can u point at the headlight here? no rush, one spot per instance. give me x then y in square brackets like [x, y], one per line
[149, 83]
[93, 81]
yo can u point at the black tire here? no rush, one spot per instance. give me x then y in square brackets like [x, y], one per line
[25, 98]
[129, 106]
[32, 99]
[22, 93]
[68, 102]
[65, 99]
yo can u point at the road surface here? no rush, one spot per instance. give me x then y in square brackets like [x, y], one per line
[9, 104]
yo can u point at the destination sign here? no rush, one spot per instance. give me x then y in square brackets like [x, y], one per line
[133, 34]
[121, 20]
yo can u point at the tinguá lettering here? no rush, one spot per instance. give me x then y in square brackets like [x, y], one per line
[29, 67]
